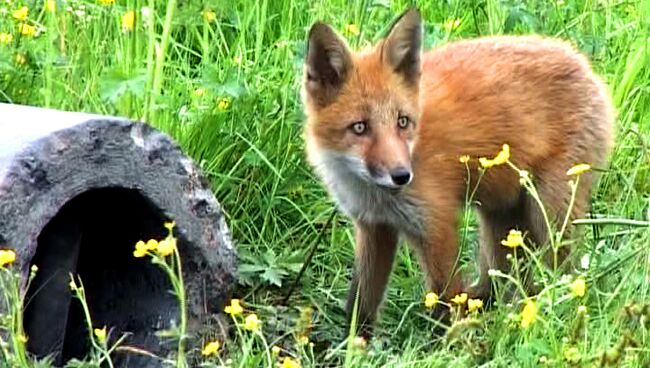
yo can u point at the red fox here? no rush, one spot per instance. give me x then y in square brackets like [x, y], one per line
[386, 127]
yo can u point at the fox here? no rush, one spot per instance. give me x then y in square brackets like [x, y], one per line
[385, 127]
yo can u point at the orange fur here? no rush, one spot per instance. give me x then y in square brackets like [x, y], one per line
[468, 97]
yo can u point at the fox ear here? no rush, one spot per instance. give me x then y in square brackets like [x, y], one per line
[403, 45]
[327, 64]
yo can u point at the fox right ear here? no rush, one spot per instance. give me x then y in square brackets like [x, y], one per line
[327, 63]
[403, 45]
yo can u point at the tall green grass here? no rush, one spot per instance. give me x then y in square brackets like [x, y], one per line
[227, 89]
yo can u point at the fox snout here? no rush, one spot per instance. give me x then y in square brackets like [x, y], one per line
[394, 178]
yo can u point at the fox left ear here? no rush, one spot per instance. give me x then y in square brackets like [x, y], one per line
[403, 45]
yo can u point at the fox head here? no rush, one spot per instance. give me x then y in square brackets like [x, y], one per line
[362, 107]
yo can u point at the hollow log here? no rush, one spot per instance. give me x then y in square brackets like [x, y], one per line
[77, 191]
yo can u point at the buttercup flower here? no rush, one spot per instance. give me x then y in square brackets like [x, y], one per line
[578, 287]
[6, 38]
[359, 342]
[199, 92]
[578, 169]
[474, 305]
[166, 246]
[209, 16]
[431, 299]
[50, 5]
[100, 333]
[141, 249]
[235, 308]
[252, 323]
[528, 314]
[514, 239]
[128, 20]
[27, 29]
[582, 309]
[7, 256]
[572, 355]
[460, 299]
[451, 24]
[275, 350]
[351, 29]
[21, 13]
[211, 348]
[152, 244]
[501, 158]
[223, 104]
[289, 363]
[464, 159]
[303, 340]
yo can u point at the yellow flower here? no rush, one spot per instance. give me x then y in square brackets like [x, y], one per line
[359, 342]
[72, 285]
[235, 308]
[166, 246]
[6, 38]
[209, 16]
[211, 348]
[431, 299]
[199, 92]
[464, 159]
[303, 340]
[572, 355]
[578, 169]
[21, 13]
[451, 24]
[582, 309]
[501, 158]
[152, 244]
[460, 298]
[26, 29]
[528, 314]
[128, 20]
[7, 256]
[578, 287]
[275, 350]
[223, 104]
[141, 249]
[252, 323]
[514, 239]
[50, 5]
[289, 363]
[107, 2]
[351, 29]
[100, 333]
[170, 225]
[474, 305]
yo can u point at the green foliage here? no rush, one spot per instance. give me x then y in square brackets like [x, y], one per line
[228, 91]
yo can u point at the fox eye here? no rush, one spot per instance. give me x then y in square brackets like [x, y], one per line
[359, 128]
[403, 122]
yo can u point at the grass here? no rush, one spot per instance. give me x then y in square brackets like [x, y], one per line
[227, 90]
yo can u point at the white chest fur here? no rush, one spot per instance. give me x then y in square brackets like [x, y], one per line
[348, 182]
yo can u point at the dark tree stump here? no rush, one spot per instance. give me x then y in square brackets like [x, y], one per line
[76, 193]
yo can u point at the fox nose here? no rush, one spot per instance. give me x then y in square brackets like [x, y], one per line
[401, 176]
